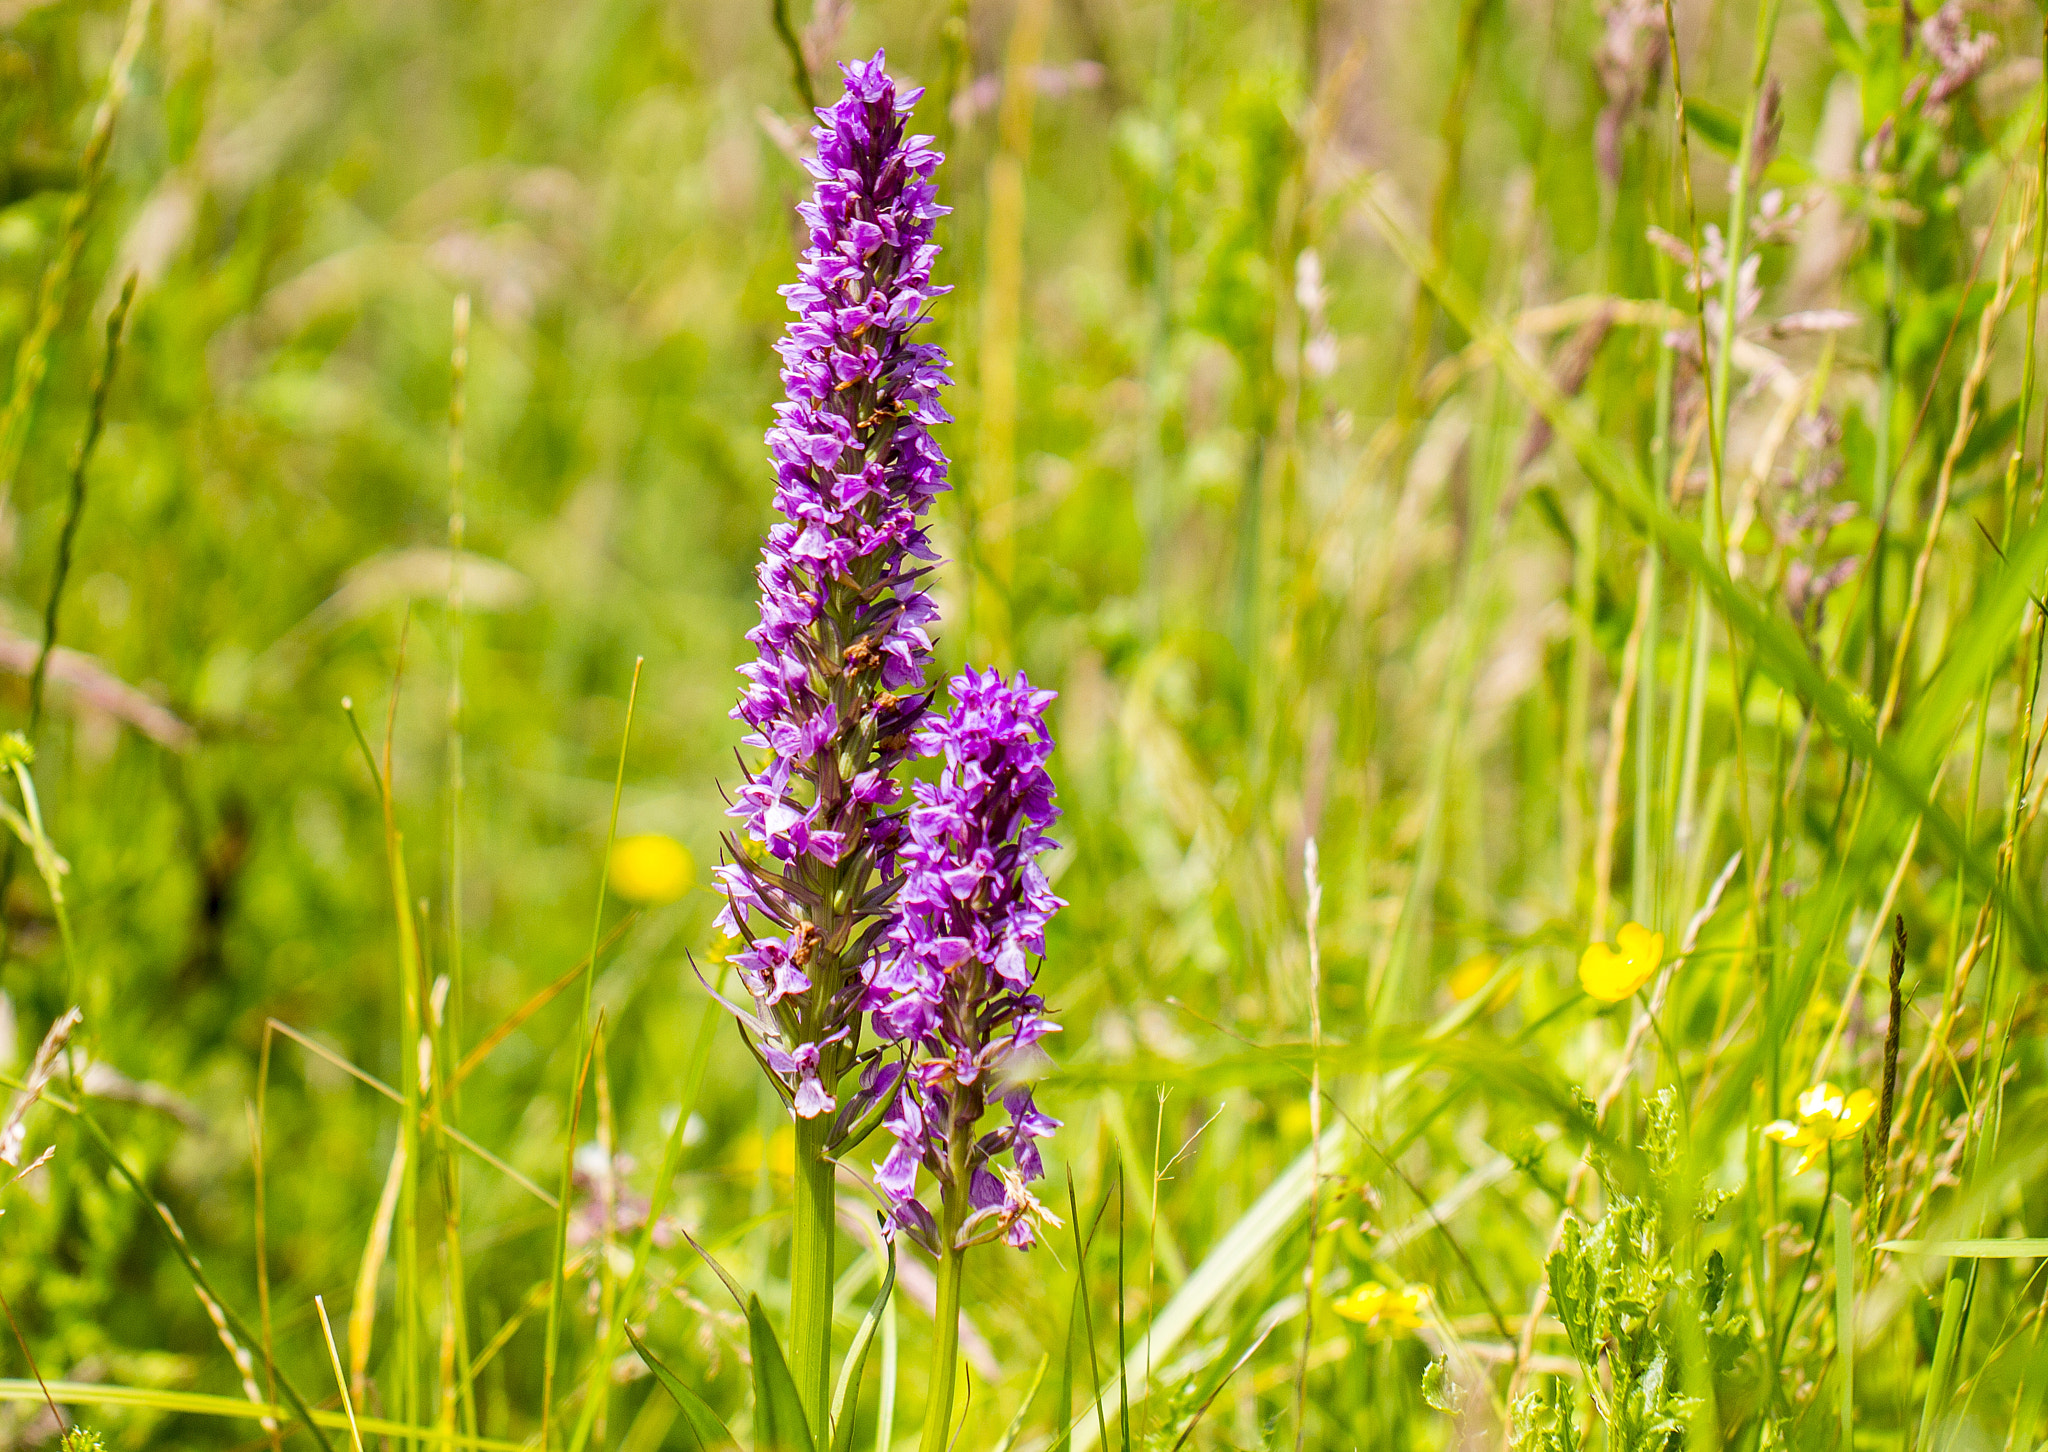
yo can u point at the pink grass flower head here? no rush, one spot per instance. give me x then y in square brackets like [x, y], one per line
[837, 688]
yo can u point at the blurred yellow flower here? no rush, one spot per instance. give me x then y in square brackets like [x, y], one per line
[1826, 1115]
[651, 869]
[1473, 974]
[778, 1151]
[1296, 1119]
[1385, 1313]
[1470, 978]
[1612, 974]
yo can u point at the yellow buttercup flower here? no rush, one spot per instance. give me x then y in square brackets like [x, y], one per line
[1612, 974]
[1386, 1314]
[651, 869]
[1826, 1116]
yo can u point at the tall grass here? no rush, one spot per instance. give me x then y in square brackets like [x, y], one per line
[1479, 475]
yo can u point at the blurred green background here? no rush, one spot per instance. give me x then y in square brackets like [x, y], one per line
[1289, 582]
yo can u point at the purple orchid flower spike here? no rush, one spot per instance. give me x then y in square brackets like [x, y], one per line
[838, 685]
[837, 689]
[957, 990]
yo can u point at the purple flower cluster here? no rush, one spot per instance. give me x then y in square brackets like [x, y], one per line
[957, 986]
[838, 688]
[846, 906]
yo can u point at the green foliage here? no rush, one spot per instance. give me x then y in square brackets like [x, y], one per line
[1621, 1297]
[779, 1422]
[1362, 478]
[1545, 1421]
[1438, 1390]
[846, 1392]
[702, 1425]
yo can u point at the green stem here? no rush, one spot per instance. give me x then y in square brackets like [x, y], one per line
[1845, 1311]
[810, 1275]
[1952, 1298]
[1881, 468]
[800, 70]
[938, 1415]
[1731, 284]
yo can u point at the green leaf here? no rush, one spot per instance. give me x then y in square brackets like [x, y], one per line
[1952, 1297]
[1841, 39]
[1726, 1329]
[1575, 1292]
[1439, 1390]
[703, 1424]
[1722, 132]
[732, 1287]
[2018, 1247]
[846, 1398]
[1545, 1420]
[1717, 1283]
[779, 1423]
[1714, 126]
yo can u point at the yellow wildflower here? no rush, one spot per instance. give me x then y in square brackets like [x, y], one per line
[1612, 974]
[1473, 974]
[1386, 1314]
[752, 1150]
[1826, 1116]
[1296, 1119]
[651, 869]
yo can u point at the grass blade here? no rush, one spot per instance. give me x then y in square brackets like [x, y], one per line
[846, 1397]
[779, 1424]
[1016, 1428]
[206, 1404]
[1845, 1315]
[32, 358]
[657, 1206]
[1990, 1248]
[1953, 1296]
[594, 1037]
[362, 1311]
[559, 1271]
[1778, 651]
[355, 1432]
[473, 1060]
[705, 1426]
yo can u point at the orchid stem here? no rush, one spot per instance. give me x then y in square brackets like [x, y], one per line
[810, 1275]
[938, 1416]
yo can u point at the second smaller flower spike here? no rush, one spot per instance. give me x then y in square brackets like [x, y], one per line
[957, 990]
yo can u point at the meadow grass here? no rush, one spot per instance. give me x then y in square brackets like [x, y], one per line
[1489, 480]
